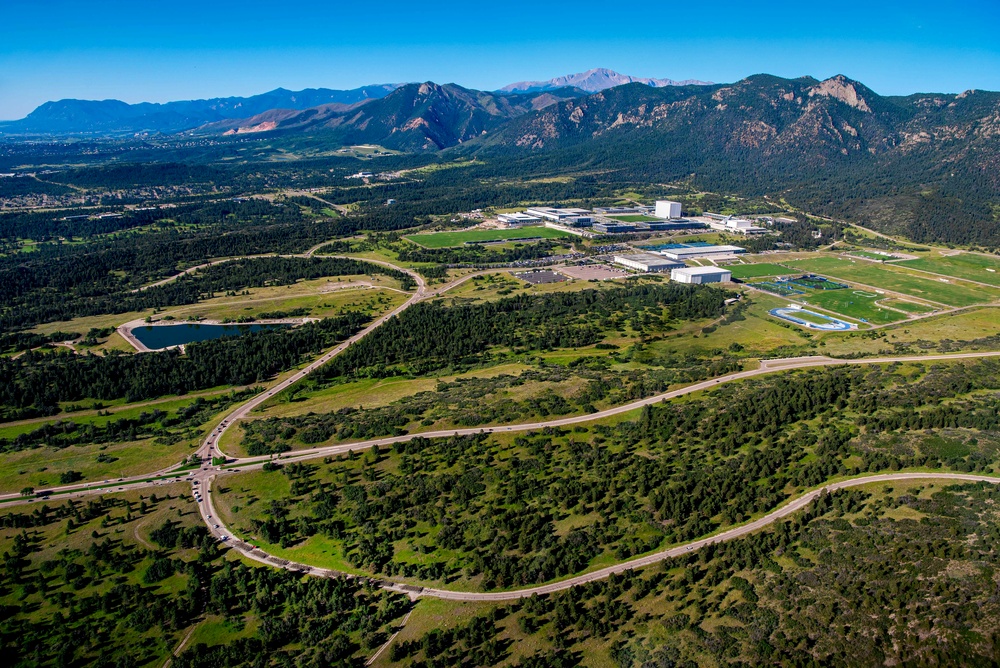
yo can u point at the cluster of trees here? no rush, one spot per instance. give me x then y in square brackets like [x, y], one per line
[468, 402]
[475, 254]
[102, 603]
[677, 472]
[15, 342]
[166, 426]
[839, 583]
[431, 336]
[93, 284]
[33, 384]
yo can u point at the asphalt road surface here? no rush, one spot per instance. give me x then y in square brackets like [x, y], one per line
[202, 478]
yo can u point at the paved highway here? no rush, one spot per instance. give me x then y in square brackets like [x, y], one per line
[202, 479]
[256, 554]
[766, 367]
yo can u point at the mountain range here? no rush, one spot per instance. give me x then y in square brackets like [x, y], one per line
[415, 117]
[114, 117]
[926, 165]
[594, 81]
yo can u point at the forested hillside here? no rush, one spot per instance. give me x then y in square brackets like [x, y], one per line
[924, 165]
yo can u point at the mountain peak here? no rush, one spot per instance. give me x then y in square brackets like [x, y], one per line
[593, 81]
[846, 90]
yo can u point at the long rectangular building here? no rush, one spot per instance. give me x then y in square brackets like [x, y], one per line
[518, 219]
[693, 251]
[646, 262]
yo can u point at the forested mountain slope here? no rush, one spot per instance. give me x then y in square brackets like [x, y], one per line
[924, 165]
[416, 117]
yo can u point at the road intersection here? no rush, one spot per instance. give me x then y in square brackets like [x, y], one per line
[202, 478]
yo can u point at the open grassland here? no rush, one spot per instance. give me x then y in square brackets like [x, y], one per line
[886, 277]
[972, 266]
[42, 467]
[968, 331]
[445, 239]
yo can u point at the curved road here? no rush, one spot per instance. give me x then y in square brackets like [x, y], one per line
[208, 511]
[201, 479]
[766, 367]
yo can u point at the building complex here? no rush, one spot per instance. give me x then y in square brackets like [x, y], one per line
[647, 262]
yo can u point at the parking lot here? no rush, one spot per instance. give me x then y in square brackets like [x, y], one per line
[539, 277]
[591, 272]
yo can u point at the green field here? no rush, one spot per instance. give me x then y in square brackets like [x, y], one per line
[967, 265]
[757, 270]
[888, 277]
[849, 303]
[909, 307]
[445, 239]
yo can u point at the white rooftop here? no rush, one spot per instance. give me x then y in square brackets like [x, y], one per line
[702, 271]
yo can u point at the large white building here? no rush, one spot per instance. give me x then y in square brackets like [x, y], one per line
[574, 217]
[690, 252]
[701, 275]
[556, 215]
[518, 219]
[737, 225]
[646, 262]
[666, 209]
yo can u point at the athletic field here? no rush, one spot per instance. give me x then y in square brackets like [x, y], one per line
[757, 270]
[894, 278]
[964, 265]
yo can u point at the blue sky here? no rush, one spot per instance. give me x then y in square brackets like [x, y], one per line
[138, 51]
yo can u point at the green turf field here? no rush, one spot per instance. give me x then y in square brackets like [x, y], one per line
[850, 303]
[888, 277]
[816, 319]
[966, 265]
[909, 307]
[757, 270]
[445, 239]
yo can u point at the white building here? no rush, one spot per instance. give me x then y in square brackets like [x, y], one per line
[690, 252]
[666, 209]
[557, 215]
[738, 225]
[646, 262]
[518, 219]
[701, 275]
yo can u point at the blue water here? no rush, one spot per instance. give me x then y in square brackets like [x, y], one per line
[157, 337]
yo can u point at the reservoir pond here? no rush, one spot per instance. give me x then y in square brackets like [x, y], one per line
[158, 337]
